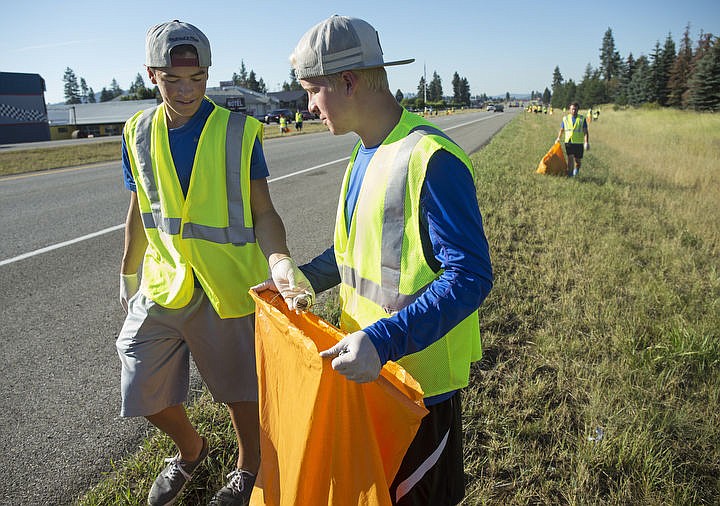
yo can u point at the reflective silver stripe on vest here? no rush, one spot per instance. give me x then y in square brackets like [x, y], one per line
[235, 232]
[388, 295]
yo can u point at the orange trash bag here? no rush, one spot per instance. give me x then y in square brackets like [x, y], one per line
[553, 163]
[323, 438]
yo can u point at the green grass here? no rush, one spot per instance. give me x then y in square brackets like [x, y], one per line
[605, 314]
[30, 160]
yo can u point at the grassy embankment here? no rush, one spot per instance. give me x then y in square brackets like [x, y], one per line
[605, 314]
[104, 150]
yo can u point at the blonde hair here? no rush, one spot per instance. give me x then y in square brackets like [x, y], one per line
[376, 79]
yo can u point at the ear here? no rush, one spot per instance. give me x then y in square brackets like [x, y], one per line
[350, 82]
[151, 75]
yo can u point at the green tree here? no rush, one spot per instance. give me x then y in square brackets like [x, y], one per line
[399, 96]
[435, 91]
[106, 95]
[83, 91]
[546, 97]
[621, 97]
[639, 88]
[464, 92]
[115, 88]
[704, 84]
[422, 91]
[667, 59]
[610, 60]
[91, 96]
[558, 89]
[72, 89]
[680, 72]
[241, 78]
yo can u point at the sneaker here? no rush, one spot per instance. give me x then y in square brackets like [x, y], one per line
[171, 480]
[575, 172]
[238, 490]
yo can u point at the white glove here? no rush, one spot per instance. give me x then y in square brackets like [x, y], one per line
[291, 283]
[129, 285]
[587, 146]
[355, 357]
[557, 140]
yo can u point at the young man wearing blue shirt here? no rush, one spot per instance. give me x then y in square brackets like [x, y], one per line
[203, 228]
[410, 254]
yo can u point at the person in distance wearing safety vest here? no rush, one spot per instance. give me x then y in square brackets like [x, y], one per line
[202, 229]
[410, 254]
[577, 138]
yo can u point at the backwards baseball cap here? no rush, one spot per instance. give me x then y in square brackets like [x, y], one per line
[161, 39]
[337, 44]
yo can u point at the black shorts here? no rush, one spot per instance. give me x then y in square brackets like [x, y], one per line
[575, 150]
[431, 472]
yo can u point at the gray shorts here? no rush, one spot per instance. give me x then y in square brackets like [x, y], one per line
[155, 345]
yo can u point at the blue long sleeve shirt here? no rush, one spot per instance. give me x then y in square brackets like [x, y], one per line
[453, 226]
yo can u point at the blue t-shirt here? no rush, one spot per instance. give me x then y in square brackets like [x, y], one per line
[183, 145]
[452, 224]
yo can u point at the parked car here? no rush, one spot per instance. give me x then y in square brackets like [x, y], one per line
[274, 116]
[499, 108]
[490, 108]
[307, 115]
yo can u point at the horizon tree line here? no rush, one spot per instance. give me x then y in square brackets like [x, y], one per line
[686, 78]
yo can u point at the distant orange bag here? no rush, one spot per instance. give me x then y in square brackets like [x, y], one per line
[553, 163]
[325, 439]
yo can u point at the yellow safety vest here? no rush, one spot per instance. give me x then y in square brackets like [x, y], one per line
[381, 261]
[574, 133]
[210, 231]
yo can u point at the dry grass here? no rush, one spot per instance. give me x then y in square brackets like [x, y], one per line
[605, 314]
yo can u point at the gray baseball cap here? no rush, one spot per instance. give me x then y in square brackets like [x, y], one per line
[162, 38]
[337, 44]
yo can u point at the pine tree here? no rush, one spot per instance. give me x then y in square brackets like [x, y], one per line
[399, 96]
[704, 84]
[680, 71]
[464, 92]
[241, 79]
[105, 95]
[91, 96]
[639, 87]
[558, 89]
[422, 90]
[83, 90]
[115, 88]
[435, 91]
[72, 90]
[456, 88]
[610, 60]
[546, 96]
[667, 60]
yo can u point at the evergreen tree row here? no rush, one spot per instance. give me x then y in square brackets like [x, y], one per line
[687, 78]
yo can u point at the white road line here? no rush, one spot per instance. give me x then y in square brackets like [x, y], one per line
[118, 227]
[61, 244]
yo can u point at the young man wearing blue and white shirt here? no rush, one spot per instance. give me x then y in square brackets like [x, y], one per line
[410, 254]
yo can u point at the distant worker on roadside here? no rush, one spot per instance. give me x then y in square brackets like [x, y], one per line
[298, 121]
[203, 228]
[410, 253]
[283, 124]
[577, 138]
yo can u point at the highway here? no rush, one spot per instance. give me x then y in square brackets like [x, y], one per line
[61, 240]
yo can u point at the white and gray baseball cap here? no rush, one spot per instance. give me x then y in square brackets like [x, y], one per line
[337, 44]
[162, 38]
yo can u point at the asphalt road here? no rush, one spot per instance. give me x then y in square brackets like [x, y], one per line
[60, 246]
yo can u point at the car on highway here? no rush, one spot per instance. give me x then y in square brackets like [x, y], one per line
[499, 108]
[274, 116]
[307, 115]
[490, 108]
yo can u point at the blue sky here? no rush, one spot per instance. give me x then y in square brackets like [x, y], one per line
[510, 46]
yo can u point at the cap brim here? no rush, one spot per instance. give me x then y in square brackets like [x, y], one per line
[398, 62]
